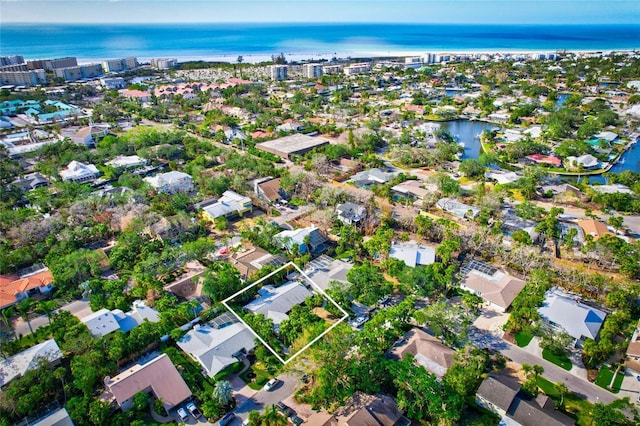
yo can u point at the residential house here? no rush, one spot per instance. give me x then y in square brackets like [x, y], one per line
[14, 288]
[31, 181]
[511, 223]
[188, 285]
[157, 376]
[549, 160]
[248, 260]
[218, 344]
[79, 172]
[586, 162]
[566, 313]
[496, 288]
[593, 227]
[503, 177]
[142, 96]
[127, 162]
[412, 253]
[89, 135]
[558, 188]
[428, 351]
[324, 270]
[633, 352]
[366, 178]
[307, 240]
[104, 321]
[269, 190]
[458, 209]
[615, 188]
[58, 417]
[29, 359]
[414, 189]
[502, 395]
[292, 145]
[171, 182]
[229, 205]
[276, 302]
[350, 213]
[362, 410]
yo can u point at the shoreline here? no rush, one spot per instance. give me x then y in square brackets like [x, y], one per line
[255, 58]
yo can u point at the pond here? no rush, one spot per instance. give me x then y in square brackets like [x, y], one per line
[468, 133]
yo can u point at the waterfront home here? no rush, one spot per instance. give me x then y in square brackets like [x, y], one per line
[549, 160]
[586, 161]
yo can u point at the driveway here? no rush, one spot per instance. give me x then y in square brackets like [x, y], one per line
[79, 308]
[552, 372]
[491, 320]
[261, 399]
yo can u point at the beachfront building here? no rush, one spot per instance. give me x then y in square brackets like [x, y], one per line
[358, 68]
[279, 72]
[117, 65]
[164, 63]
[79, 72]
[23, 78]
[312, 70]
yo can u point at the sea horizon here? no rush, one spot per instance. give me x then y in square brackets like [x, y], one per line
[256, 42]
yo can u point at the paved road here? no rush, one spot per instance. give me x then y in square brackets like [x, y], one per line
[79, 308]
[580, 387]
[286, 387]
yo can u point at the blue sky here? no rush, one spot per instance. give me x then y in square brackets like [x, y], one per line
[431, 11]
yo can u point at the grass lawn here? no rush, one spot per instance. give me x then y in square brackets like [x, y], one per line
[604, 379]
[574, 406]
[523, 337]
[560, 360]
[261, 376]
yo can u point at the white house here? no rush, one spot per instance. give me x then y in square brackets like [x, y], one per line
[276, 302]
[126, 162]
[79, 172]
[171, 182]
[412, 253]
[18, 364]
[218, 346]
[578, 320]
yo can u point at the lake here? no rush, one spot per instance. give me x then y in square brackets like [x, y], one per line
[468, 133]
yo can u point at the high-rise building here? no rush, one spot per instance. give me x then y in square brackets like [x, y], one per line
[11, 60]
[23, 78]
[164, 63]
[80, 72]
[117, 65]
[279, 72]
[52, 64]
[312, 70]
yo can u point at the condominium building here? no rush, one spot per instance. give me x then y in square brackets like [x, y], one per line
[357, 68]
[11, 60]
[279, 72]
[116, 65]
[52, 64]
[23, 78]
[80, 72]
[164, 63]
[312, 70]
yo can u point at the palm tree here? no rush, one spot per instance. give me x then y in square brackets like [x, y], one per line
[7, 313]
[47, 306]
[60, 373]
[270, 417]
[24, 307]
[223, 392]
[563, 390]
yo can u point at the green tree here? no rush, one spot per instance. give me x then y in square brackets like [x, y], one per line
[24, 307]
[223, 392]
[141, 401]
[221, 280]
[471, 168]
[270, 417]
[47, 307]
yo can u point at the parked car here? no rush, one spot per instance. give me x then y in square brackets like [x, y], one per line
[194, 410]
[296, 420]
[284, 408]
[270, 384]
[228, 418]
[182, 413]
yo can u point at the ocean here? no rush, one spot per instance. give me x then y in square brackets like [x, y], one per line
[257, 42]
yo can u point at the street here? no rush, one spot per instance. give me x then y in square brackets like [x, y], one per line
[78, 308]
[262, 398]
[552, 372]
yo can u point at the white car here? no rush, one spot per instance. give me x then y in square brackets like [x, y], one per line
[182, 413]
[193, 409]
[270, 384]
